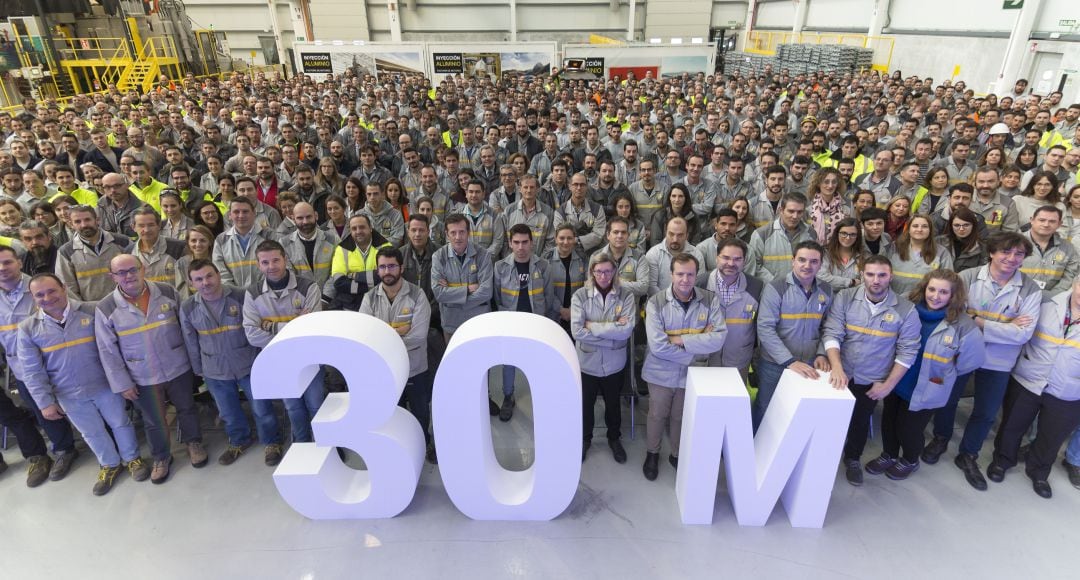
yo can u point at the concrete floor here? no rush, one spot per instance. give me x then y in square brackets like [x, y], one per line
[229, 522]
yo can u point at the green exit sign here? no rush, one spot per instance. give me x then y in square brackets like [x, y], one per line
[1013, 4]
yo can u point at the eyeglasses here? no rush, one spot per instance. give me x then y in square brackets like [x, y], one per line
[603, 273]
[126, 273]
[960, 226]
[848, 234]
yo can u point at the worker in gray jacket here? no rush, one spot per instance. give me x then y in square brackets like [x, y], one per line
[269, 305]
[684, 325]
[234, 249]
[157, 253]
[739, 295]
[771, 244]
[618, 249]
[1043, 386]
[63, 372]
[460, 276]
[1053, 262]
[310, 249]
[790, 319]
[523, 283]
[655, 267]
[16, 305]
[143, 352]
[404, 306]
[602, 319]
[1004, 303]
[385, 218]
[83, 263]
[212, 322]
[872, 335]
[585, 215]
[529, 211]
[566, 269]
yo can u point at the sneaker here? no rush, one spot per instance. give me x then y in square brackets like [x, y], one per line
[38, 470]
[161, 470]
[62, 465]
[901, 469]
[934, 449]
[232, 453]
[507, 410]
[853, 471]
[272, 454]
[139, 469]
[880, 465]
[106, 477]
[197, 454]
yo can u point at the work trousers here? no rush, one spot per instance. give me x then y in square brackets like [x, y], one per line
[417, 399]
[610, 388]
[665, 411]
[1057, 420]
[94, 417]
[151, 405]
[859, 426]
[58, 431]
[902, 429]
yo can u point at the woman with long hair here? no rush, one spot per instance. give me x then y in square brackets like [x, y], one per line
[993, 158]
[336, 220]
[46, 213]
[396, 197]
[1027, 158]
[63, 205]
[1041, 190]
[355, 195]
[200, 245]
[175, 223]
[915, 253]
[827, 204]
[676, 204]
[625, 207]
[899, 210]
[207, 214]
[843, 256]
[950, 346]
[744, 225]
[960, 239]
[328, 178]
[937, 191]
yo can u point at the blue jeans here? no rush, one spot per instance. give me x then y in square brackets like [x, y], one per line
[226, 393]
[58, 431]
[768, 376]
[1072, 452]
[90, 416]
[303, 409]
[509, 373]
[990, 389]
[151, 405]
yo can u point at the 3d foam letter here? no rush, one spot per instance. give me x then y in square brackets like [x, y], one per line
[793, 456]
[475, 481]
[372, 357]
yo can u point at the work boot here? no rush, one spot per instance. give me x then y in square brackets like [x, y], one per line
[62, 465]
[38, 470]
[272, 454]
[161, 470]
[934, 449]
[197, 454]
[232, 453]
[652, 466]
[139, 469]
[106, 477]
[617, 450]
[969, 464]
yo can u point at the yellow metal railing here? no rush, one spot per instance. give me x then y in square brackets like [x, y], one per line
[159, 47]
[766, 41]
[99, 49]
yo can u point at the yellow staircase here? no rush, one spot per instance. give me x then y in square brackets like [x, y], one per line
[139, 75]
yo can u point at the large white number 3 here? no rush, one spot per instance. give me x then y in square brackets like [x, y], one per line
[311, 478]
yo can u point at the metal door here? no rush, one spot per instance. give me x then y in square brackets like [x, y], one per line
[1046, 74]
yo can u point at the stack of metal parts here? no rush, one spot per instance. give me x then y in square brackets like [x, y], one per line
[803, 58]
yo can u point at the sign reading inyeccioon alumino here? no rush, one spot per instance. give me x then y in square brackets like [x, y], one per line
[447, 62]
[316, 63]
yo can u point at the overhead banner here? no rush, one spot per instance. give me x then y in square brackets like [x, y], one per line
[316, 63]
[447, 63]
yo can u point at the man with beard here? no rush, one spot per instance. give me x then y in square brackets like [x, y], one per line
[117, 206]
[655, 267]
[354, 267]
[404, 306]
[523, 141]
[83, 263]
[310, 249]
[771, 244]
[40, 250]
[157, 253]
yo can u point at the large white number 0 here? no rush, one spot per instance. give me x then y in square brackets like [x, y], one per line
[366, 420]
[475, 481]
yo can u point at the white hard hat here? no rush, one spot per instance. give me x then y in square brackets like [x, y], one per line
[999, 129]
